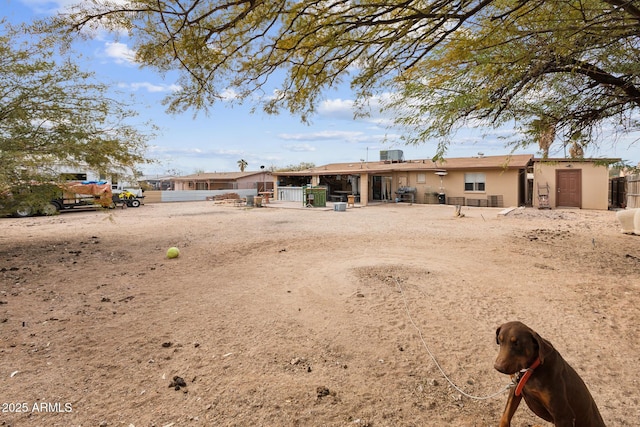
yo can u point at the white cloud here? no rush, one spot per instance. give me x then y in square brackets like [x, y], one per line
[53, 6]
[195, 152]
[49, 7]
[151, 87]
[229, 95]
[325, 135]
[299, 148]
[339, 108]
[345, 109]
[120, 52]
[350, 137]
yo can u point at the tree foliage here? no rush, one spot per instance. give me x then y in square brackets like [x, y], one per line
[557, 70]
[554, 67]
[53, 115]
[292, 167]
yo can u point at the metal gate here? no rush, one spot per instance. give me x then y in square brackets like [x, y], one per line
[618, 193]
[290, 194]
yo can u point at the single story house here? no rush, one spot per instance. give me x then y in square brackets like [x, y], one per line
[494, 181]
[157, 182]
[260, 181]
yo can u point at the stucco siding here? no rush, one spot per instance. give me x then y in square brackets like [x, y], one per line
[497, 183]
[594, 180]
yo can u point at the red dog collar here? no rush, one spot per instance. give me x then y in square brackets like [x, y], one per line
[527, 373]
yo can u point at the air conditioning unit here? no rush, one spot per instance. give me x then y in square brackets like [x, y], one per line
[393, 156]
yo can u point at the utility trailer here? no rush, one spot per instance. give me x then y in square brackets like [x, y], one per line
[83, 194]
[31, 199]
[94, 194]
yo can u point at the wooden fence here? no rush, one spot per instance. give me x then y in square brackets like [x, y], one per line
[633, 191]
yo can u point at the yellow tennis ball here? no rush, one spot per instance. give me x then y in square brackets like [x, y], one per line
[173, 252]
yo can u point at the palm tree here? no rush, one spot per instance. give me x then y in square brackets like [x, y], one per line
[242, 164]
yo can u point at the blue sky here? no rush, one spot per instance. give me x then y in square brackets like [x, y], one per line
[214, 142]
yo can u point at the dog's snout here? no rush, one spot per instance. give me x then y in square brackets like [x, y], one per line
[504, 364]
[499, 366]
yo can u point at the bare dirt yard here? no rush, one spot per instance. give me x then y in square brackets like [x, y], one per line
[306, 317]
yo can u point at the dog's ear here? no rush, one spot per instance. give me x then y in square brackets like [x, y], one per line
[545, 348]
[498, 334]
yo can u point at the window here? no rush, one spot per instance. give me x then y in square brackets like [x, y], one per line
[422, 178]
[474, 181]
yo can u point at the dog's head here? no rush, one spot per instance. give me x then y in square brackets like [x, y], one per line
[519, 347]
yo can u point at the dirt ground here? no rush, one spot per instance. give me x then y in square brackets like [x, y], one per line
[306, 317]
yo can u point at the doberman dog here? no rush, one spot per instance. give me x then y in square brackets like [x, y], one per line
[551, 388]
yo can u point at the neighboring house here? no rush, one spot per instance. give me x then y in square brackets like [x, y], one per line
[497, 181]
[157, 182]
[260, 181]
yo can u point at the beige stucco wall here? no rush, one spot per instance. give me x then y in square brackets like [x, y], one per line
[595, 182]
[498, 183]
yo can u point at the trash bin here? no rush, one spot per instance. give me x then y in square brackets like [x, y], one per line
[442, 199]
[315, 196]
[250, 200]
[351, 200]
[258, 201]
[340, 207]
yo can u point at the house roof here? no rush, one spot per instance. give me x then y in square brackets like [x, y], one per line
[516, 161]
[217, 176]
[156, 178]
[603, 160]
